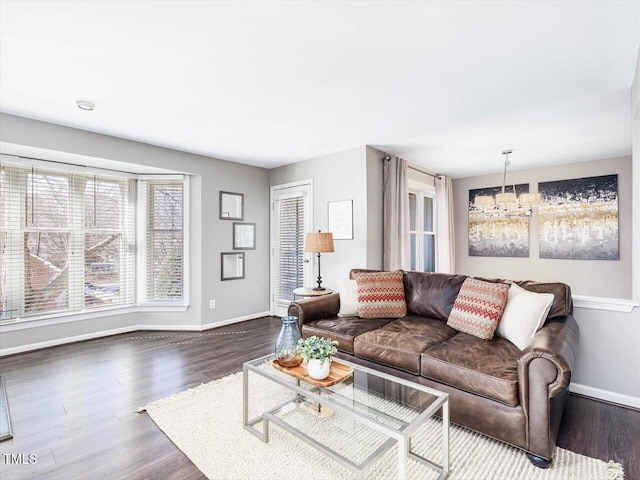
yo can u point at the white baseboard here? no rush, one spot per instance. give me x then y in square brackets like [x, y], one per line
[607, 395]
[206, 326]
[132, 328]
[61, 341]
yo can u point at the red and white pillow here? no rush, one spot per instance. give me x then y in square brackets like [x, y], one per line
[381, 295]
[479, 307]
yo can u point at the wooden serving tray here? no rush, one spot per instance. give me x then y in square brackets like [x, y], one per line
[339, 372]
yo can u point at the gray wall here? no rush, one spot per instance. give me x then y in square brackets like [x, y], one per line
[344, 175]
[579, 274]
[375, 197]
[608, 356]
[208, 235]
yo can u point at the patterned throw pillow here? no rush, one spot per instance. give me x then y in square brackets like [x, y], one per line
[478, 308]
[381, 295]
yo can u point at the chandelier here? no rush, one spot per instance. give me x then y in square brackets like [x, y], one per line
[508, 203]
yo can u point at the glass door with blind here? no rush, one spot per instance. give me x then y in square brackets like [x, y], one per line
[290, 221]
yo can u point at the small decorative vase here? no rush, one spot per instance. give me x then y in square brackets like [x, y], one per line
[318, 369]
[286, 353]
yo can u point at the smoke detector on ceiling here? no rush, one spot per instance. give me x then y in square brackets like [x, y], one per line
[85, 105]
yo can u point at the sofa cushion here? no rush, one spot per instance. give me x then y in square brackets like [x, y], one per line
[431, 294]
[348, 297]
[484, 367]
[400, 343]
[344, 330]
[479, 307]
[523, 315]
[381, 295]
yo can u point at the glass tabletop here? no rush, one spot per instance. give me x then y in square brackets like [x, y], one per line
[384, 399]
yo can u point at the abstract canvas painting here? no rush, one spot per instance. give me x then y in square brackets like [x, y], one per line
[579, 218]
[492, 234]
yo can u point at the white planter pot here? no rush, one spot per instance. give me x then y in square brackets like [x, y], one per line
[318, 369]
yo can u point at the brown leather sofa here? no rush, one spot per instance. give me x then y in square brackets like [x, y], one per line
[515, 396]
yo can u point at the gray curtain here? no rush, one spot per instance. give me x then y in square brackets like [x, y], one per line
[445, 247]
[396, 215]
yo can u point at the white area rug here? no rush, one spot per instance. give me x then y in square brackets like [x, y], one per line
[206, 424]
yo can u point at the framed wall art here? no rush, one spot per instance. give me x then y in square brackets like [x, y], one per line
[232, 265]
[578, 218]
[231, 206]
[341, 219]
[494, 234]
[244, 236]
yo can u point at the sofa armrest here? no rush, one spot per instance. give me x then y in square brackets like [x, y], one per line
[557, 342]
[544, 373]
[315, 308]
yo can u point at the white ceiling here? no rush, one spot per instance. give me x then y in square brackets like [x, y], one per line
[445, 85]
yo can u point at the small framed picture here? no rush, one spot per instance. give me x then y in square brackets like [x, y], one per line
[232, 265]
[244, 236]
[231, 206]
[341, 219]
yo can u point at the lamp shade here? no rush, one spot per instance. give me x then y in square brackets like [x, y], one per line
[484, 202]
[530, 199]
[507, 200]
[318, 242]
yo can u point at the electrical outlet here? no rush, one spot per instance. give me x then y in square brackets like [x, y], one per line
[212, 304]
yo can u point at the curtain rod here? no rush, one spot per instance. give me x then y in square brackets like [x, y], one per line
[434, 175]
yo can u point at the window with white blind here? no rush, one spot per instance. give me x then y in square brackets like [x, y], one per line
[422, 233]
[68, 241]
[163, 241]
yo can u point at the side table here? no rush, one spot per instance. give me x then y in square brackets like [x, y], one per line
[310, 292]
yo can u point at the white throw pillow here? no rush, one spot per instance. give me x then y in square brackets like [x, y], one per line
[524, 315]
[348, 298]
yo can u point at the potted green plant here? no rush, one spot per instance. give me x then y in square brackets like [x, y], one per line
[317, 351]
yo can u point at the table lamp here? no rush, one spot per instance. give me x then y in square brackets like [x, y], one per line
[319, 243]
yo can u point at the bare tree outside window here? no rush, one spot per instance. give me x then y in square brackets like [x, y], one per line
[165, 248]
[102, 247]
[68, 241]
[64, 242]
[46, 286]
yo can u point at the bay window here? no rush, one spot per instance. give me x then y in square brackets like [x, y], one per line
[68, 241]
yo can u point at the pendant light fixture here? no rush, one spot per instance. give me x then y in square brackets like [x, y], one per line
[508, 203]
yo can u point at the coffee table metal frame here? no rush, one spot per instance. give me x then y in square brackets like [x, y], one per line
[401, 437]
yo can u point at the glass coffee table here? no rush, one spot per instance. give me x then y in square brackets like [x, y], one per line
[354, 422]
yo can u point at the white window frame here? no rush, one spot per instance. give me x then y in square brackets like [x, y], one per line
[61, 317]
[141, 241]
[422, 190]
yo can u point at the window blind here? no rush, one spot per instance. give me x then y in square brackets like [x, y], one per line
[67, 242]
[164, 241]
[289, 257]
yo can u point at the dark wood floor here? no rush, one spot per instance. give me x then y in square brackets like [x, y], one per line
[74, 405]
